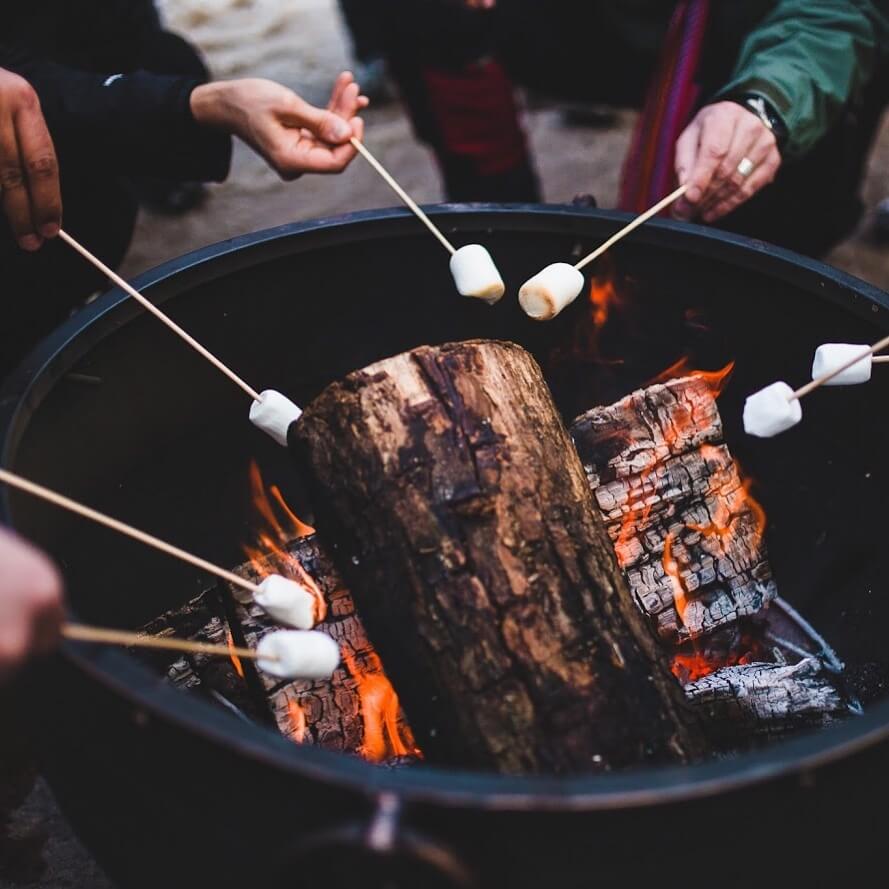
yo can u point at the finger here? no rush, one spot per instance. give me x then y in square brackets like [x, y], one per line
[16, 204]
[714, 142]
[348, 106]
[753, 142]
[41, 170]
[686, 152]
[322, 123]
[342, 81]
[762, 176]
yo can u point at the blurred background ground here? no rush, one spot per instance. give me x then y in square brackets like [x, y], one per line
[302, 43]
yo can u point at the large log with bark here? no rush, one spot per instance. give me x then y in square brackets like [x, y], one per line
[687, 535]
[466, 529]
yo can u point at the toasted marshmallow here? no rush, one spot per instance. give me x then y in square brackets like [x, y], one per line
[286, 601]
[830, 356]
[476, 275]
[771, 411]
[298, 654]
[274, 414]
[548, 292]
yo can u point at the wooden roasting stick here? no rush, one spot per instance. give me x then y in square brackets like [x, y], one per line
[408, 200]
[104, 636]
[641, 219]
[149, 306]
[22, 484]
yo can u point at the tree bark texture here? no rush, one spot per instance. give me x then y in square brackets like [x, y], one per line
[466, 529]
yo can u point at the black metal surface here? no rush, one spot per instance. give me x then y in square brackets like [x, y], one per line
[160, 783]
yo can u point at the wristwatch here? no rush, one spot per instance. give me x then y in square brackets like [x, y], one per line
[765, 111]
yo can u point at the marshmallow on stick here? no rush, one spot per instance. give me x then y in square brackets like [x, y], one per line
[559, 284]
[771, 411]
[286, 602]
[472, 267]
[292, 654]
[273, 413]
[831, 357]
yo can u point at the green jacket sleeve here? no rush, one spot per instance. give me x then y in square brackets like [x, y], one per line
[809, 58]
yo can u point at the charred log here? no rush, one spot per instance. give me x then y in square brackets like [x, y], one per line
[766, 699]
[687, 536]
[333, 715]
[480, 565]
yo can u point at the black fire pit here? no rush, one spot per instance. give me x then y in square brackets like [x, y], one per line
[168, 790]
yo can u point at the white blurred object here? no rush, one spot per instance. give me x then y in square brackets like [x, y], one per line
[298, 654]
[274, 414]
[771, 411]
[830, 356]
[286, 601]
[549, 291]
[476, 275]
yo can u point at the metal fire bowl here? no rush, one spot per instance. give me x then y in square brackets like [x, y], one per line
[168, 790]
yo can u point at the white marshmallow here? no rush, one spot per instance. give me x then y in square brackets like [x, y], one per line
[476, 275]
[830, 356]
[274, 414]
[770, 411]
[298, 654]
[548, 292]
[286, 601]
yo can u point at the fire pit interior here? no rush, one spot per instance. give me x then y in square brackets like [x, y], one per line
[118, 414]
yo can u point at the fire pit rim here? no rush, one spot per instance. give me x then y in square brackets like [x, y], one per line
[24, 390]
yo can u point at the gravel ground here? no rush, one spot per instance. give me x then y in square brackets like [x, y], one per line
[301, 43]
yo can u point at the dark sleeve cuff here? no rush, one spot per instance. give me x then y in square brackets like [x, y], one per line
[131, 124]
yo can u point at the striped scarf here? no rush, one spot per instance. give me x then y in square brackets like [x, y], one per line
[648, 172]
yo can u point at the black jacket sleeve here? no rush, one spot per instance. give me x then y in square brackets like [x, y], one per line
[138, 123]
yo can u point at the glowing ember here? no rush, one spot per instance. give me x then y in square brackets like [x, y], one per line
[278, 529]
[297, 717]
[672, 570]
[716, 380]
[384, 736]
[688, 667]
[239, 667]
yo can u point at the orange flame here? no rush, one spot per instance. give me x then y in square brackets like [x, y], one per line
[716, 380]
[270, 545]
[603, 298]
[297, 717]
[229, 640]
[672, 570]
[385, 737]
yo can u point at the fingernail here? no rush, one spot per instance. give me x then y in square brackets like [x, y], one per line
[693, 195]
[340, 129]
[49, 230]
[30, 243]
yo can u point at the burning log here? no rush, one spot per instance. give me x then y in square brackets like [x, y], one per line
[467, 530]
[357, 711]
[764, 699]
[687, 534]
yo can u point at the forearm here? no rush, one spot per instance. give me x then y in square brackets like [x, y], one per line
[809, 60]
[134, 122]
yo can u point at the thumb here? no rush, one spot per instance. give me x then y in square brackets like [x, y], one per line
[326, 125]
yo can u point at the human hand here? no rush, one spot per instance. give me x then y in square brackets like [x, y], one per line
[708, 155]
[30, 602]
[293, 136]
[29, 171]
[480, 4]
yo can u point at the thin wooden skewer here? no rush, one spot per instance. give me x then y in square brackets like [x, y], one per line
[29, 487]
[411, 203]
[147, 304]
[826, 378]
[639, 220]
[881, 359]
[104, 636]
